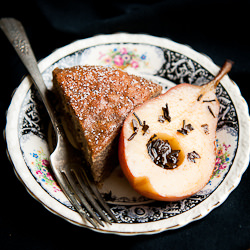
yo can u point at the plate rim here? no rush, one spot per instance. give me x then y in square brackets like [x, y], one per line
[39, 194]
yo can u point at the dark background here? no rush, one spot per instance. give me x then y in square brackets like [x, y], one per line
[217, 28]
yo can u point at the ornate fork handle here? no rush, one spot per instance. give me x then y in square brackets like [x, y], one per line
[15, 32]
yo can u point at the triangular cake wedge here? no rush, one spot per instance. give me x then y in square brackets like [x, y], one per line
[98, 99]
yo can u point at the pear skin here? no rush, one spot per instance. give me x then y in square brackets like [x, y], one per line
[185, 117]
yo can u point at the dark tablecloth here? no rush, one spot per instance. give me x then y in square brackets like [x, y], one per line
[218, 28]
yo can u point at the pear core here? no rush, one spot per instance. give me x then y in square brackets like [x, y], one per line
[168, 155]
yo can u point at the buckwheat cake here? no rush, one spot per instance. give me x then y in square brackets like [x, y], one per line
[98, 99]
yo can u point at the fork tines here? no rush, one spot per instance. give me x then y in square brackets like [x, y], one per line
[83, 194]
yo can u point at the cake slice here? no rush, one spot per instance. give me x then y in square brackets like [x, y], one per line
[98, 99]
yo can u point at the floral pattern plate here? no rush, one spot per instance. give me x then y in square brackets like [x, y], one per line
[165, 62]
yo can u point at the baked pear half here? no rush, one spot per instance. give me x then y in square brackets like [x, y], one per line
[167, 145]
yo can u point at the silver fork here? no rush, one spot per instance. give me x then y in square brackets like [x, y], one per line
[66, 161]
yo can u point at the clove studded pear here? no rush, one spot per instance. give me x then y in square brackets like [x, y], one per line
[174, 157]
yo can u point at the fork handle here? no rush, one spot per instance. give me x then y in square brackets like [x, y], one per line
[15, 32]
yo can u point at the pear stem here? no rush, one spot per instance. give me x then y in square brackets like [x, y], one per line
[227, 66]
[223, 71]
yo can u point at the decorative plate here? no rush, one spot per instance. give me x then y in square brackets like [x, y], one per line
[165, 62]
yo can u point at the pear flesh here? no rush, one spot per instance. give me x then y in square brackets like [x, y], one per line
[188, 106]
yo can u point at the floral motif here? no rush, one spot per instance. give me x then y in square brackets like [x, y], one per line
[222, 159]
[42, 169]
[123, 57]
